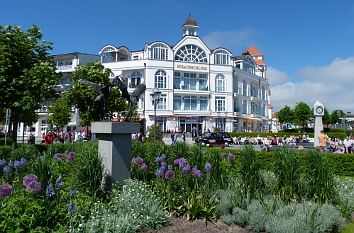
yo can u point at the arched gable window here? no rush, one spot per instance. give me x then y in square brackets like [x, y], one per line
[160, 79]
[219, 83]
[135, 79]
[191, 53]
[159, 51]
[221, 57]
[108, 54]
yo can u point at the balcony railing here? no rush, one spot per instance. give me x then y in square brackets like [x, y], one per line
[67, 67]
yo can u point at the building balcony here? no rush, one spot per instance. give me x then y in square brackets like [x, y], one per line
[64, 68]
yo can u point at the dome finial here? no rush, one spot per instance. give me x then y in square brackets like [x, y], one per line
[190, 26]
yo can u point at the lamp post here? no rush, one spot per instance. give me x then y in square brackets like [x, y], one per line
[155, 100]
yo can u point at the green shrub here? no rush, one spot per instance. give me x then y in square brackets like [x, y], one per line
[132, 208]
[288, 171]
[8, 141]
[155, 133]
[5, 151]
[251, 179]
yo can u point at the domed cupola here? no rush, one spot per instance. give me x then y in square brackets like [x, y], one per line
[190, 27]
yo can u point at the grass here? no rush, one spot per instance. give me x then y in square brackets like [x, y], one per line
[348, 228]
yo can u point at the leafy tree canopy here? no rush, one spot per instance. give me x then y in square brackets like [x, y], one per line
[302, 113]
[285, 115]
[60, 112]
[336, 115]
[27, 72]
[83, 96]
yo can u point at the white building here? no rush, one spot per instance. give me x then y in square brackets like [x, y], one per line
[65, 65]
[200, 87]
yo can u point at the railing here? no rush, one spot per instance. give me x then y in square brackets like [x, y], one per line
[67, 67]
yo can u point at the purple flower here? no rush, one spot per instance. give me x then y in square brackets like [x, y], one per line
[70, 157]
[169, 175]
[58, 156]
[176, 161]
[144, 166]
[34, 186]
[161, 158]
[186, 169]
[5, 190]
[137, 160]
[17, 164]
[23, 161]
[2, 162]
[49, 192]
[71, 208]
[11, 164]
[59, 183]
[6, 170]
[160, 172]
[208, 167]
[73, 191]
[28, 179]
[230, 157]
[196, 172]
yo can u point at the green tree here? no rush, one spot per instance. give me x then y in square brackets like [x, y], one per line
[59, 112]
[285, 115]
[83, 96]
[326, 117]
[302, 113]
[27, 73]
[336, 115]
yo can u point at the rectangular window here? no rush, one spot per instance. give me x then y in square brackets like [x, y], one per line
[189, 81]
[203, 103]
[220, 104]
[190, 103]
[236, 105]
[161, 104]
[177, 80]
[161, 121]
[220, 123]
[177, 103]
[203, 82]
[244, 106]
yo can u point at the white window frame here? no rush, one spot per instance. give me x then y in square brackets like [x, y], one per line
[160, 79]
[220, 104]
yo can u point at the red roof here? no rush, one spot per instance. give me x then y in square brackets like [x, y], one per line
[260, 62]
[190, 22]
[253, 51]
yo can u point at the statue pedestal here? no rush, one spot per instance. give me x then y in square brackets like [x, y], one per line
[114, 146]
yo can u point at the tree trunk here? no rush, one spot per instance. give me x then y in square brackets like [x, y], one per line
[14, 134]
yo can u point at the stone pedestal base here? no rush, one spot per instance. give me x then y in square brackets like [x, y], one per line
[114, 146]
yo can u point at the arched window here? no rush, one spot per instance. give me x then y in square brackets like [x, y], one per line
[160, 79]
[191, 53]
[135, 79]
[108, 55]
[248, 65]
[159, 52]
[221, 57]
[219, 83]
[244, 88]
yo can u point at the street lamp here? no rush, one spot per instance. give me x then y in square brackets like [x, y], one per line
[155, 95]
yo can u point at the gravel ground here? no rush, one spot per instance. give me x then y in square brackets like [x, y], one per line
[182, 225]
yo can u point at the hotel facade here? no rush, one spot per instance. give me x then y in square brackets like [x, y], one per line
[196, 86]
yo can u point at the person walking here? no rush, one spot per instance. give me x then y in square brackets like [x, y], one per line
[322, 138]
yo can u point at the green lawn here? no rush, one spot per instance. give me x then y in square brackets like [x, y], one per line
[349, 228]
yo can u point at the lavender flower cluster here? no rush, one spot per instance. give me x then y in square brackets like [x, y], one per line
[7, 167]
[69, 157]
[31, 183]
[165, 171]
[5, 190]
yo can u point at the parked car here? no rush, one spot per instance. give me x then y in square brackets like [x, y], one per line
[219, 138]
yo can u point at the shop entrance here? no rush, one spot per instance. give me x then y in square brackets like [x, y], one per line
[188, 123]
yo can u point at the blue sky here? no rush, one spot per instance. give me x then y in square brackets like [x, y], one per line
[308, 45]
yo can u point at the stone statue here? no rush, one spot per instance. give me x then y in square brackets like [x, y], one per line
[105, 92]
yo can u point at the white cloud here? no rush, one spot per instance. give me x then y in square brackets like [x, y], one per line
[235, 40]
[276, 76]
[332, 85]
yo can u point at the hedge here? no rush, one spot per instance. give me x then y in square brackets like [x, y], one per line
[342, 164]
[8, 141]
[340, 135]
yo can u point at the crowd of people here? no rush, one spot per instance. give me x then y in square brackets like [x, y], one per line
[335, 145]
[59, 136]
